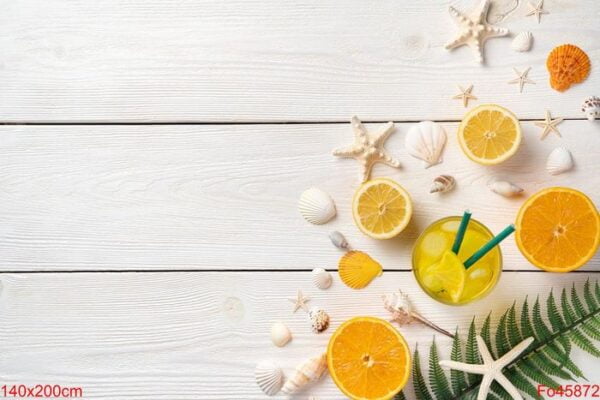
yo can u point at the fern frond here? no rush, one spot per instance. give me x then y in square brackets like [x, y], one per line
[521, 382]
[399, 396]
[421, 390]
[437, 378]
[554, 316]
[472, 354]
[485, 334]
[526, 328]
[512, 328]
[544, 363]
[528, 368]
[590, 331]
[539, 326]
[567, 311]
[583, 342]
[577, 305]
[587, 295]
[502, 345]
[457, 378]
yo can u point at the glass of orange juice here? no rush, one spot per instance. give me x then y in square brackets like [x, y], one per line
[441, 273]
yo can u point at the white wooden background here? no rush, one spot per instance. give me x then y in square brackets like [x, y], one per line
[152, 153]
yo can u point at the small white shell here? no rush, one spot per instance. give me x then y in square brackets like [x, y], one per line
[319, 320]
[522, 42]
[316, 206]
[307, 372]
[559, 161]
[269, 377]
[505, 188]
[442, 183]
[280, 334]
[338, 240]
[426, 141]
[591, 108]
[321, 278]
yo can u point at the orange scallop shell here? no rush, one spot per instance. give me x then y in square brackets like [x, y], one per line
[567, 64]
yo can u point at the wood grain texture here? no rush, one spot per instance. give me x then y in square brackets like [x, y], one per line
[225, 197]
[175, 335]
[267, 60]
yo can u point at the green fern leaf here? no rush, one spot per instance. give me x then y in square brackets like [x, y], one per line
[538, 323]
[587, 295]
[567, 311]
[502, 345]
[577, 305]
[553, 314]
[512, 328]
[499, 391]
[597, 290]
[529, 369]
[421, 390]
[590, 330]
[526, 328]
[546, 364]
[457, 378]
[437, 378]
[485, 334]
[399, 396]
[583, 342]
[472, 354]
[562, 359]
[522, 383]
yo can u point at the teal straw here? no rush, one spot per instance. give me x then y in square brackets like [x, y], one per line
[489, 246]
[460, 234]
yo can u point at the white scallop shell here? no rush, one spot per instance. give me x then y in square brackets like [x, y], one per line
[269, 377]
[280, 334]
[559, 161]
[522, 42]
[591, 108]
[307, 372]
[321, 278]
[504, 188]
[316, 206]
[426, 141]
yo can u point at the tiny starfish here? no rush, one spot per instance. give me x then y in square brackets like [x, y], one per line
[300, 301]
[474, 29]
[368, 149]
[549, 125]
[522, 79]
[537, 10]
[490, 369]
[465, 95]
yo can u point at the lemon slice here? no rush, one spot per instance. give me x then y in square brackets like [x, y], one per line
[489, 134]
[446, 276]
[381, 208]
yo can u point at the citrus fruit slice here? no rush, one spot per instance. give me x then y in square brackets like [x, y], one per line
[489, 134]
[446, 276]
[368, 359]
[381, 208]
[558, 229]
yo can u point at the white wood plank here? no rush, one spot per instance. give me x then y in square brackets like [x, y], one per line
[224, 197]
[267, 60]
[171, 336]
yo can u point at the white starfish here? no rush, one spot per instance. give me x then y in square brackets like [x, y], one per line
[465, 95]
[368, 149]
[490, 369]
[537, 10]
[474, 29]
[549, 125]
[522, 79]
[300, 301]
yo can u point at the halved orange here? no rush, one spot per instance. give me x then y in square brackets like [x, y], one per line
[489, 134]
[368, 359]
[558, 229]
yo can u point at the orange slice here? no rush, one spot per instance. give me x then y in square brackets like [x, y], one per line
[368, 359]
[558, 229]
[489, 134]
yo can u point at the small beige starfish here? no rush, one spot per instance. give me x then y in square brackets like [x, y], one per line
[549, 125]
[537, 10]
[522, 79]
[474, 29]
[368, 149]
[465, 95]
[300, 301]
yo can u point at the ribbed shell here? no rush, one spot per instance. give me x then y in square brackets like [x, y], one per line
[321, 278]
[559, 161]
[316, 206]
[522, 42]
[358, 269]
[309, 371]
[269, 377]
[442, 183]
[426, 141]
[567, 64]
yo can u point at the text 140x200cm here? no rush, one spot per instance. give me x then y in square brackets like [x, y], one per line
[40, 391]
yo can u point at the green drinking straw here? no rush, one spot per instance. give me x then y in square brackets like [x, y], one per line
[489, 246]
[460, 234]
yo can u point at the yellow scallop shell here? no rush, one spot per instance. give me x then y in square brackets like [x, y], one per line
[358, 269]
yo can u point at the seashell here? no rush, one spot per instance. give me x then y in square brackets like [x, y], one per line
[591, 108]
[319, 320]
[358, 269]
[426, 141]
[567, 64]
[559, 161]
[307, 372]
[504, 188]
[269, 377]
[522, 42]
[338, 240]
[280, 334]
[442, 183]
[316, 206]
[321, 278]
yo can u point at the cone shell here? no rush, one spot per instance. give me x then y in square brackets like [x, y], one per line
[316, 206]
[567, 64]
[559, 161]
[269, 377]
[591, 108]
[506, 189]
[522, 42]
[358, 269]
[338, 240]
[425, 141]
[321, 278]
[442, 183]
[280, 334]
[307, 372]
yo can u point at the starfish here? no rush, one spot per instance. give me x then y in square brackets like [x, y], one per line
[300, 301]
[367, 148]
[490, 369]
[549, 125]
[474, 29]
[537, 10]
[522, 79]
[465, 95]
